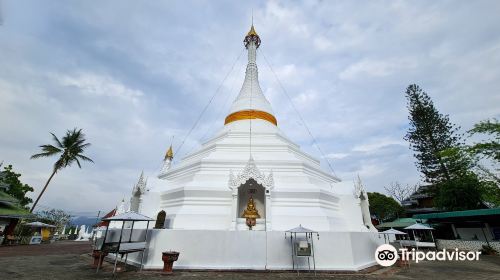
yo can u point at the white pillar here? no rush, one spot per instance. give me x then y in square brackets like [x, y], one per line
[268, 210]
[234, 205]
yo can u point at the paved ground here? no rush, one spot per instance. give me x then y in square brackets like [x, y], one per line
[70, 260]
[57, 248]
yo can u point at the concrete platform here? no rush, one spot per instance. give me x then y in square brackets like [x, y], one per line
[69, 260]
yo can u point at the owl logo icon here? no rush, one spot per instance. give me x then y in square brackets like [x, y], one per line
[386, 255]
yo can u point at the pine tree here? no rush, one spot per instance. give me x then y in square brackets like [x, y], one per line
[430, 134]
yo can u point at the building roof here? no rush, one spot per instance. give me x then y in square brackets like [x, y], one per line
[457, 214]
[7, 199]
[9, 207]
[420, 193]
[39, 225]
[398, 223]
[108, 215]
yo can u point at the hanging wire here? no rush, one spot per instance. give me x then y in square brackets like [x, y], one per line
[160, 165]
[298, 113]
[208, 104]
[222, 108]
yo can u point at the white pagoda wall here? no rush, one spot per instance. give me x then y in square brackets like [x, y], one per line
[211, 210]
[257, 250]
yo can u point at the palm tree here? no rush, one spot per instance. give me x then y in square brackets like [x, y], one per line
[70, 150]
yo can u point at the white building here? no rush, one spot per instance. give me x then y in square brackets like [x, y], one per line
[205, 194]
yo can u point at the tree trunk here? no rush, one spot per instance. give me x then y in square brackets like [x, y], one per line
[43, 190]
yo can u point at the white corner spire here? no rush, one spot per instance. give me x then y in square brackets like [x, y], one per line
[137, 192]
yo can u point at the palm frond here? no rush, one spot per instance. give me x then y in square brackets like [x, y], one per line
[50, 149]
[59, 144]
[85, 145]
[47, 150]
[78, 162]
[40, 155]
[84, 158]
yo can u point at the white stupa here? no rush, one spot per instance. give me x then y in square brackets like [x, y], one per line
[206, 195]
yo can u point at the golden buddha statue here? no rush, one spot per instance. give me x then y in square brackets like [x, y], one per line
[251, 212]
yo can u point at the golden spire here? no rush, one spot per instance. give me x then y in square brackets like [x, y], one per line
[252, 31]
[169, 154]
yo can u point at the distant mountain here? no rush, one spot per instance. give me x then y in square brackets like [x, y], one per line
[84, 220]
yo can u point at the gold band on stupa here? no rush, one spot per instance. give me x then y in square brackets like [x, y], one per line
[250, 114]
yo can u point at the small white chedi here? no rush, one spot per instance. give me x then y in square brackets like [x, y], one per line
[228, 204]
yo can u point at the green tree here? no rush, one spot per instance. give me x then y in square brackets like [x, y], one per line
[487, 150]
[69, 150]
[429, 134]
[490, 148]
[15, 188]
[483, 189]
[461, 193]
[56, 217]
[490, 193]
[441, 155]
[383, 207]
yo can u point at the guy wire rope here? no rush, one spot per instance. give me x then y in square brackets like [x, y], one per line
[298, 113]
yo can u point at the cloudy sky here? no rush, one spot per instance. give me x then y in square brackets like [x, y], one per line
[132, 74]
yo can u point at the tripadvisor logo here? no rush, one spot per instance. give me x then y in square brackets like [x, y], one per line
[387, 255]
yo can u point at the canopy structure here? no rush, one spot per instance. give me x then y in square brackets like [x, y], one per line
[301, 229]
[129, 216]
[40, 225]
[302, 248]
[393, 231]
[124, 247]
[419, 226]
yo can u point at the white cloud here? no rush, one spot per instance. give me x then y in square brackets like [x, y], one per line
[337, 155]
[377, 144]
[92, 84]
[377, 69]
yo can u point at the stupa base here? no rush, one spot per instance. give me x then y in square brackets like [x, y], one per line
[258, 250]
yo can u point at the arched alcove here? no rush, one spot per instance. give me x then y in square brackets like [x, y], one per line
[160, 219]
[255, 190]
[251, 182]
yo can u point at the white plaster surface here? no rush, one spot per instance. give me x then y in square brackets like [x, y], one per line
[259, 250]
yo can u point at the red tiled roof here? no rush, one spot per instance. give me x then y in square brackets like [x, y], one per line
[106, 223]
